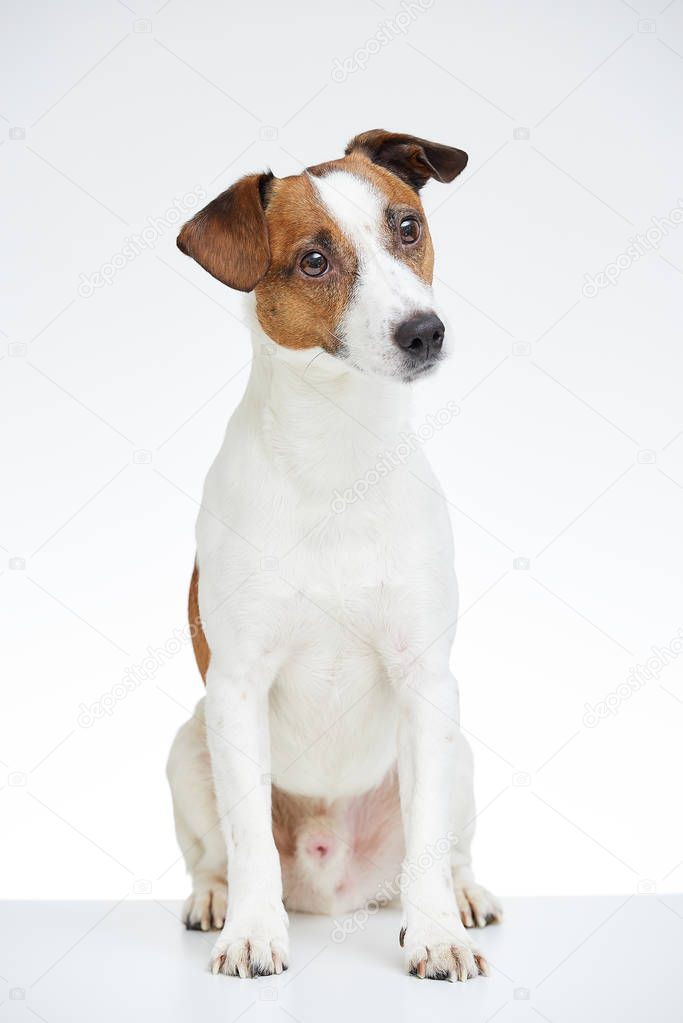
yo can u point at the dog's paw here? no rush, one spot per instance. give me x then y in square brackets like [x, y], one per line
[441, 952]
[205, 909]
[442, 961]
[478, 907]
[256, 949]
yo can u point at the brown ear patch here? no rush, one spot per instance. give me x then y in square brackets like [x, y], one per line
[229, 237]
[412, 159]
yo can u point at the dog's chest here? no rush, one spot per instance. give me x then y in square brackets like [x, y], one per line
[333, 713]
[333, 719]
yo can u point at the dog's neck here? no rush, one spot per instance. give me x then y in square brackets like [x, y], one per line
[299, 400]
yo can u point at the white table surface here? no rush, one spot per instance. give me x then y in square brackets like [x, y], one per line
[585, 959]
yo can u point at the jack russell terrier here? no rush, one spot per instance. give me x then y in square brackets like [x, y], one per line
[325, 770]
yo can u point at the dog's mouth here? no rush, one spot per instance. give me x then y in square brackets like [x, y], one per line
[406, 371]
[424, 369]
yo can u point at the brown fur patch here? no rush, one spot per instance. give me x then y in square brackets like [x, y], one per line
[202, 654]
[295, 310]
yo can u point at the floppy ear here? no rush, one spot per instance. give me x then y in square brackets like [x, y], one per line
[229, 237]
[410, 158]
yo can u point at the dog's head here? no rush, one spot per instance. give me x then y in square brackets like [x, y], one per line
[340, 256]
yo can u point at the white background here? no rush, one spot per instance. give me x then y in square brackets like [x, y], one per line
[571, 116]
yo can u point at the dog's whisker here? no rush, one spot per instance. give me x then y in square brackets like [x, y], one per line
[309, 364]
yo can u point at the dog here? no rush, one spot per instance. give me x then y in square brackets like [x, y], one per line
[324, 770]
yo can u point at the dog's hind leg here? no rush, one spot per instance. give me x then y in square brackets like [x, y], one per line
[478, 907]
[197, 826]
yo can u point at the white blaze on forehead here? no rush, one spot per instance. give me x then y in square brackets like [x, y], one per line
[387, 290]
[355, 204]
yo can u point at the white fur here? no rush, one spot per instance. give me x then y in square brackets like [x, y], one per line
[330, 633]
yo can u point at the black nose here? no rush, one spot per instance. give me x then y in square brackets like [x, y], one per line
[420, 336]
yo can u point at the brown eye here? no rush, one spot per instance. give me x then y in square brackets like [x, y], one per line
[409, 230]
[314, 264]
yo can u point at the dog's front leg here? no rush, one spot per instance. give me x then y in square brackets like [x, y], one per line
[254, 940]
[435, 941]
